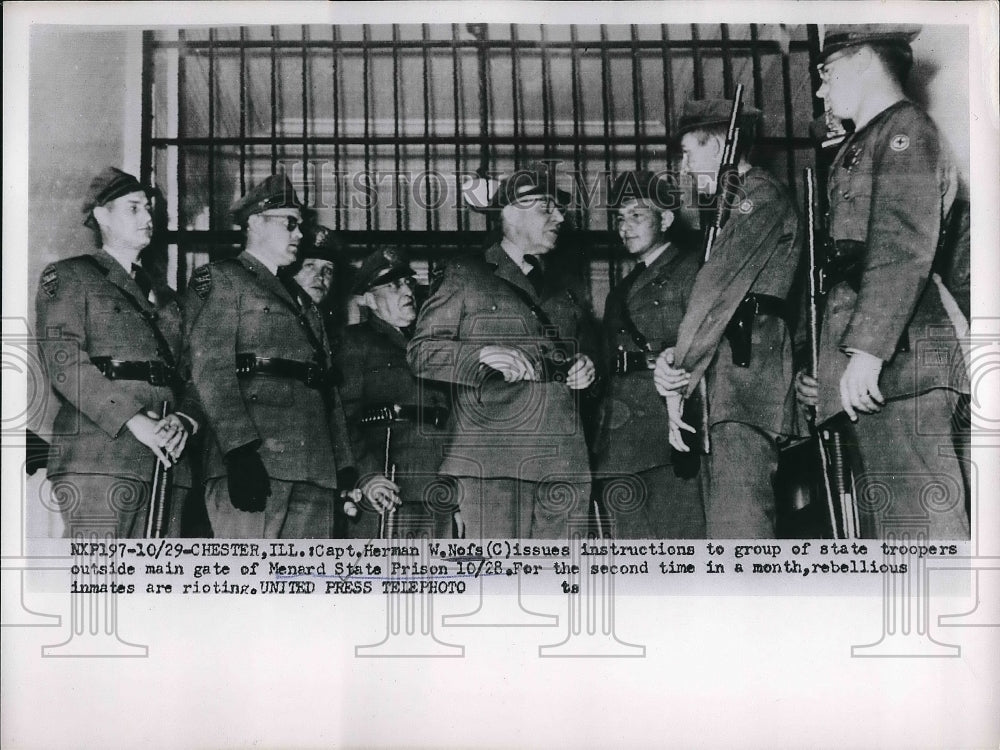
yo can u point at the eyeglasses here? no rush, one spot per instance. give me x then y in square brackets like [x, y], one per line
[407, 281]
[291, 222]
[824, 67]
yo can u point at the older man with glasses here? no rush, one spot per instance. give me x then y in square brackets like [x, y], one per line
[397, 420]
[259, 362]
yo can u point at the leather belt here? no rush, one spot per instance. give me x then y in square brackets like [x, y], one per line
[739, 331]
[432, 416]
[152, 372]
[626, 363]
[308, 373]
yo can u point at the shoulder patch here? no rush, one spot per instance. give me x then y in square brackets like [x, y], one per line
[50, 281]
[201, 281]
[899, 142]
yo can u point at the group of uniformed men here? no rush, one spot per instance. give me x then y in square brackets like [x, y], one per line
[465, 418]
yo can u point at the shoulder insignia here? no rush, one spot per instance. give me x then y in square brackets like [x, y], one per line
[746, 206]
[899, 142]
[201, 281]
[50, 281]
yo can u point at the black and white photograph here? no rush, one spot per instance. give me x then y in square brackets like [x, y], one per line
[649, 331]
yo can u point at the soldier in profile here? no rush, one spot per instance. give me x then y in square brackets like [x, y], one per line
[890, 187]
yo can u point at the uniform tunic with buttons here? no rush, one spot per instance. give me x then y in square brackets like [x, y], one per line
[634, 425]
[239, 307]
[83, 314]
[527, 430]
[372, 359]
[889, 188]
[759, 251]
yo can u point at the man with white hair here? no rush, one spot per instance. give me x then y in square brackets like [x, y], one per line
[506, 335]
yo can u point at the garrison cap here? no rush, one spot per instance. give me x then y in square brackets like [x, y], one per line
[658, 188]
[110, 184]
[488, 195]
[319, 242]
[380, 268]
[274, 192]
[704, 113]
[842, 36]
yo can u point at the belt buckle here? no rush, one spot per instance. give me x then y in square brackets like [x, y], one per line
[315, 376]
[246, 364]
[157, 373]
[621, 361]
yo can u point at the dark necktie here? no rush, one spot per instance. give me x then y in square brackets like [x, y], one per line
[535, 274]
[142, 279]
[293, 289]
[629, 280]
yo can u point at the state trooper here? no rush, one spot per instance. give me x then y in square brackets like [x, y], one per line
[890, 187]
[648, 490]
[110, 348]
[505, 334]
[735, 333]
[397, 421]
[278, 456]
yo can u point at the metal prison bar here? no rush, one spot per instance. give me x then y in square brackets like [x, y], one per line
[225, 106]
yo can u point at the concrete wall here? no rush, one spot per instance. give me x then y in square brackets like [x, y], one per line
[82, 106]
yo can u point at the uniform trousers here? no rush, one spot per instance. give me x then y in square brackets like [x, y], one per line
[521, 509]
[909, 475]
[295, 510]
[653, 504]
[739, 490]
[96, 504]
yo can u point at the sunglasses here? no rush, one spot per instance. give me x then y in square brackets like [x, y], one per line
[291, 222]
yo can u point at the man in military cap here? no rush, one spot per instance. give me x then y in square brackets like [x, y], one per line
[735, 334]
[890, 187]
[397, 420]
[505, 335]
[644, 492]
[277, 455]
[112, 338]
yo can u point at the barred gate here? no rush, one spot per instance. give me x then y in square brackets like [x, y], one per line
[377, 124]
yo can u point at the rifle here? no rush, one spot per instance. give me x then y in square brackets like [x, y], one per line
[389, 471]
[838, 491]
[162, 480]
[724, 183]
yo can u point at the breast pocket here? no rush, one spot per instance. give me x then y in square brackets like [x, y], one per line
[850, 201]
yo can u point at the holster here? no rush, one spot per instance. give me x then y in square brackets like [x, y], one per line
[739, 331]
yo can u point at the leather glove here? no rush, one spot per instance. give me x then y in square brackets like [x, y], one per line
[249, 485]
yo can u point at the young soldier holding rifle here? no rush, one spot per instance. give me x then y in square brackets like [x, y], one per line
[734, 335]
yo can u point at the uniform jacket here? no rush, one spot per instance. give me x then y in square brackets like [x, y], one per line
[889, 187]
[524, 430]
[82, 313]
[634, 426]
[238, 306]
[759, 251]
[372, 360]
